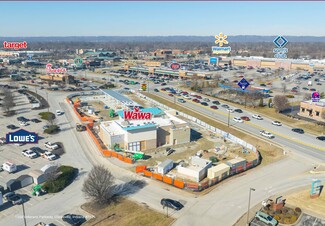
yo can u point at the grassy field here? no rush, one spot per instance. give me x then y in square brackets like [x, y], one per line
[303, 200]
[125, 213]
[269, 152]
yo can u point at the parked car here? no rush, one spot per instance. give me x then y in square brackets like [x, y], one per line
[322, 138]
[46, 127]
[267, 219]
[170, 94]
[16, 199]
[298, 130]
[225, 106]
[29, 153]
[216, 102]
[35, 120]
[238, 119]
[214, 107]
[74, 219]
[257, 117]
[38, 150]
[204, 103]
[245, 118]
[276, 123]
[266, 134]
[48, 155]
[196, 100]
[11, 126]
[156, 90]
[22, 123]
[173, 204]
[230, 110]
[51, 145]
[206, 99]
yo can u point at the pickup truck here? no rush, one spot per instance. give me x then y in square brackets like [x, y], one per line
[51, 146]
[48, 155]
[29, 153]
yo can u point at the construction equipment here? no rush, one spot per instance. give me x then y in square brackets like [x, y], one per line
[80, 127]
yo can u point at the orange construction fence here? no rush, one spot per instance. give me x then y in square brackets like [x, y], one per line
[168, 180]
[140, 169]
[147, 173]
[179, 184]
[157, 176]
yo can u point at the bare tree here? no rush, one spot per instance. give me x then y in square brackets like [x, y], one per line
[284, 87]
[323, 115]
[8, 101]
[98, 186]
[307, 96]
[280, 103]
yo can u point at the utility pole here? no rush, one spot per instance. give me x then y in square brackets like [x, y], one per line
[47, 100]
[249, 204]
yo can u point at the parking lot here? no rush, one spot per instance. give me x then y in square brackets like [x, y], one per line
[13, 153]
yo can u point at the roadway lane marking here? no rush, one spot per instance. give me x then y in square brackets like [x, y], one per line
[261, 128]
[288, 138]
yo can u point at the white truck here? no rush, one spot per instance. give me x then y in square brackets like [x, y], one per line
[29, 153]
[51, 145]
[310, 83]
[9, 167]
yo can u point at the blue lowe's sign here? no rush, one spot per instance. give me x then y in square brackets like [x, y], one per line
[22, 137]
[315, 187]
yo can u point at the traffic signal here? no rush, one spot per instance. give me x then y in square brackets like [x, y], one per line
[144, 87]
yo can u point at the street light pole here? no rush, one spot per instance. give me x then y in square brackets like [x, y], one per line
[228, 117]
[47, 100]
[25, 223]
[249, 203]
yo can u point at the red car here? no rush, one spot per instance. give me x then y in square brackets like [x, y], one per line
[294, 91]
[235, 81]
[171, 95]
[196, 100]
[163, 89]
[245, 118]
[198, 97]
[214, 107]
[185, 93]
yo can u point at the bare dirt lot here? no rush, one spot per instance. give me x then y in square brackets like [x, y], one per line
[125, 213]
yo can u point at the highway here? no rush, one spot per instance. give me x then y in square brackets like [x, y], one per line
[305, 144]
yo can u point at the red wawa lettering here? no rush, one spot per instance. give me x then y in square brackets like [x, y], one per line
[137, 115]
[49, 69]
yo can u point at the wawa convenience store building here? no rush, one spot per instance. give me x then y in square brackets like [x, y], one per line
[144, 129]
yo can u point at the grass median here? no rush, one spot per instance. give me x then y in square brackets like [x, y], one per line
[268, 151]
